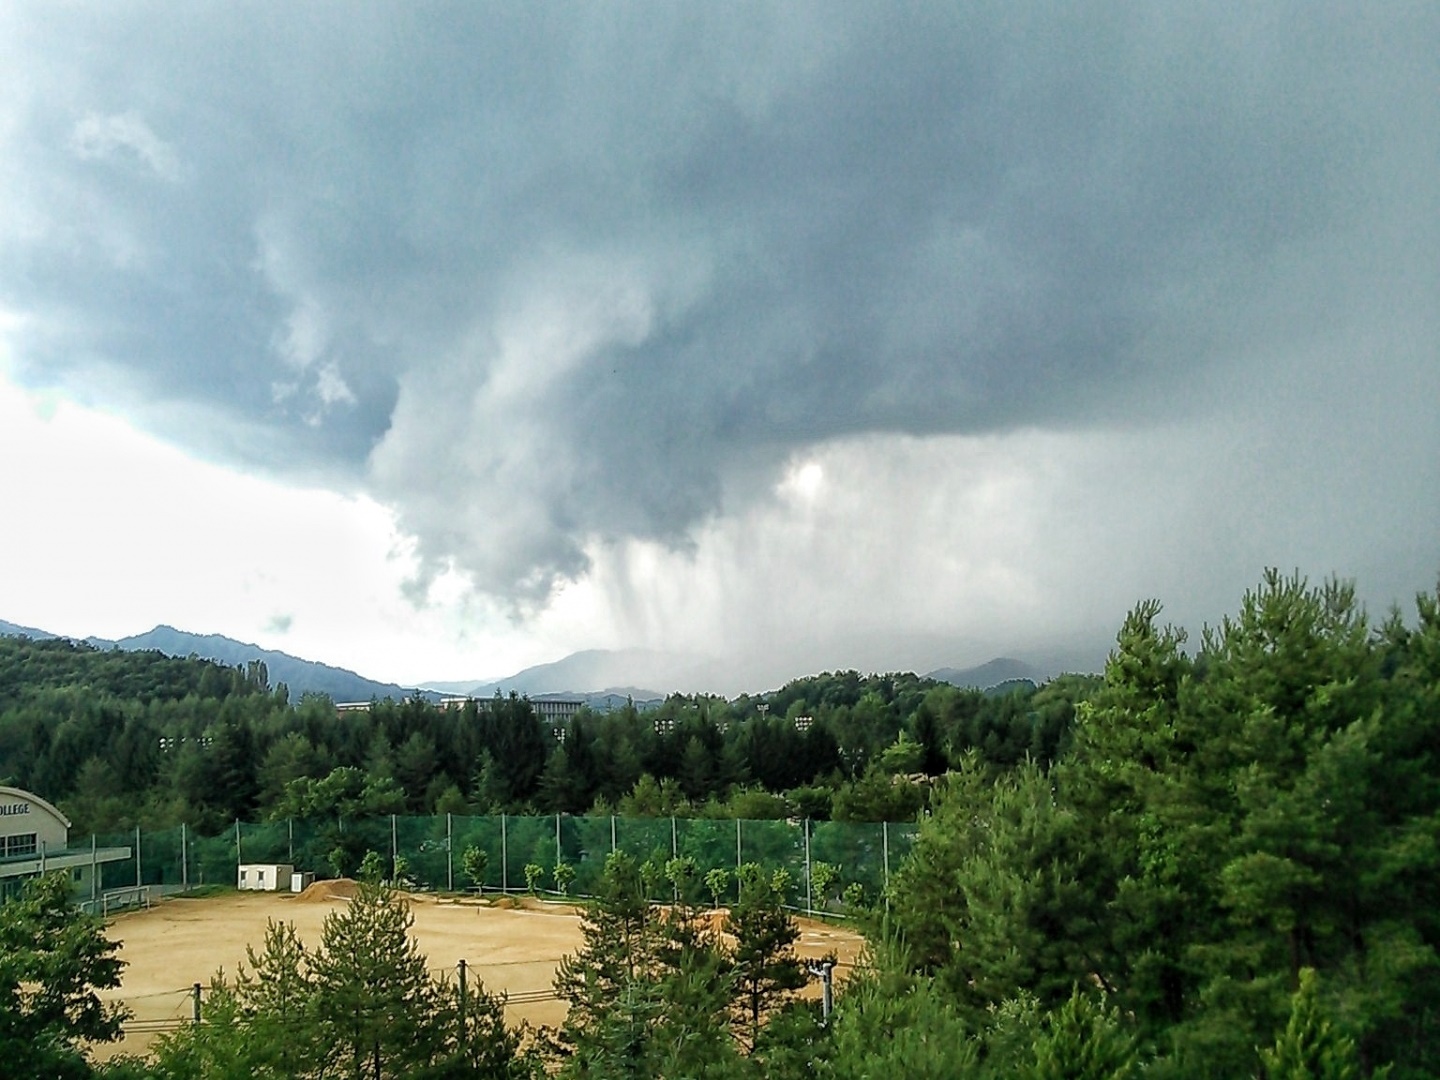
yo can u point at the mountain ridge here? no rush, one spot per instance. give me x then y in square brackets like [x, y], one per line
[299, 676]
[603, 678]
[10, 629]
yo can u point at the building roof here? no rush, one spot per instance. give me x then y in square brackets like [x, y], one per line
[30, 796]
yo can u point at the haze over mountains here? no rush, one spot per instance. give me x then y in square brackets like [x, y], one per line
[603, 677]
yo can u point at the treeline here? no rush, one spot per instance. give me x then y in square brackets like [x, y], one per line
[119, 739]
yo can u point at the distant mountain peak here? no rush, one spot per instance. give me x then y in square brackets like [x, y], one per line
[644, 674]
[1002, 669]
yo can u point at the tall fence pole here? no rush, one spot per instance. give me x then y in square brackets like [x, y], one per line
[504, 858]
[809, 893]
[674, 841]
[394, 850]
[885, 842]
[239, 858]
[460, 973]
[184, 858]
[195, 1003]
[290, 832]
[612, 834]
[94, 870]
[138, 880]
[557, 839]
[737, 844]
[450, 854]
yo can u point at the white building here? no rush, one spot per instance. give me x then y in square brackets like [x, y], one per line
[265, 877]
[35, 839]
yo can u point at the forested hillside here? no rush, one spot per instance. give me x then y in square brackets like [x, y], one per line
[123, 738]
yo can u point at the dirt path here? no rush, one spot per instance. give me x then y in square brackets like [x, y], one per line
[512, 946]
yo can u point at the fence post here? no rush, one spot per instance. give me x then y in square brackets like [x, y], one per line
[184, 858]
[557, 839]
[94, 871]
[138, 880]
[885, 838]
[809, 893]
[450, 854]
[195, 1003]
[239, 857]
[460, 972]
[504, 858]
[290, 832]
[394, 851]
[612, 834]
[737, 844]
[674, 844]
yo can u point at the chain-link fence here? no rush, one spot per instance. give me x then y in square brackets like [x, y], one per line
[521, 852]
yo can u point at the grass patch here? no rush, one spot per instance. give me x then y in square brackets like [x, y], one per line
[200, 892]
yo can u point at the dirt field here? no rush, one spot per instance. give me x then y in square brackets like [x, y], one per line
[511, 945]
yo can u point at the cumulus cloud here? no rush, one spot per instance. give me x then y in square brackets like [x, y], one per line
[569, 288]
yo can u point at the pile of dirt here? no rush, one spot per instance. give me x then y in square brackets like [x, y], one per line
[523, 902]
[322, 892]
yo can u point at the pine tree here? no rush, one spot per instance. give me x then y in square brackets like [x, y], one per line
[373, 994]
[647, 990]
[277, 999]
[606, 981]
[1084, 1040]
[766, 968]
[991, 899]
[1310, 1047]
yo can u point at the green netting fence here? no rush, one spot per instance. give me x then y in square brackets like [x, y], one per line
[429, 852]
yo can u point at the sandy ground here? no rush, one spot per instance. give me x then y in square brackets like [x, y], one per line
[513, 946]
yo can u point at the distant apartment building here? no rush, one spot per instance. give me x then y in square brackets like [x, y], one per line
[553, 710]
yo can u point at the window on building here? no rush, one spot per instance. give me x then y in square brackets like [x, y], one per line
[15, 846]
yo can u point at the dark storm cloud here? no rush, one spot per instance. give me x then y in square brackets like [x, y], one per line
[542, 275]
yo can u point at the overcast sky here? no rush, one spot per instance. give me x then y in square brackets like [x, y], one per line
[436, 340]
